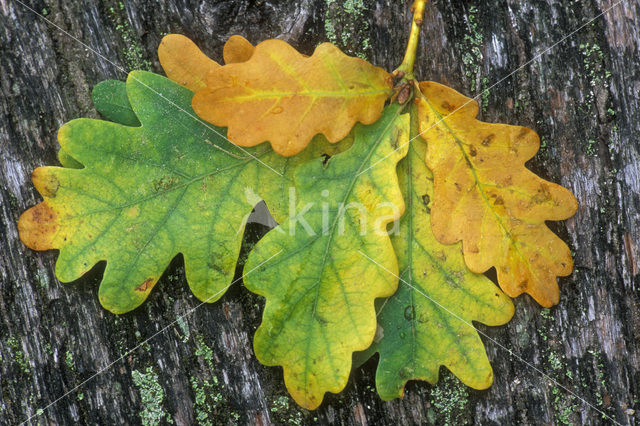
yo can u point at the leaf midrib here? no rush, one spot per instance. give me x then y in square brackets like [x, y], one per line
[349, 190]
[335, 94]
[317, 286]
[354, 178]
[308, 92]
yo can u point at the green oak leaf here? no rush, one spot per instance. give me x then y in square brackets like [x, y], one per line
[171, 185]
[319, 289]
[427, 322]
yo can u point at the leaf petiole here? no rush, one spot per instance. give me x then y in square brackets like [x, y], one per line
[405, 70]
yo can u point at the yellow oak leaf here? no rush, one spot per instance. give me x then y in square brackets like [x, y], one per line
[485, 197]
[319, 288]
[284, 97]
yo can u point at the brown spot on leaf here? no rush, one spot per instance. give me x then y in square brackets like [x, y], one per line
[147, 284]
[524, 132]
[446, 105]
[395, 140]
[543, 195]
[472, 151]
[487, 141]
[320, 319]
[499, 201]
[163, 184]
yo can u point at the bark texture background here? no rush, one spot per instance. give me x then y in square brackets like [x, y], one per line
[582, 97]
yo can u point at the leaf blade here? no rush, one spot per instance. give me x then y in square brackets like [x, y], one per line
[289, 97]
[332, 285]
[491, 202]
[427, 322]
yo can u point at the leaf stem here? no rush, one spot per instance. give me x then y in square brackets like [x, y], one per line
[405, 70]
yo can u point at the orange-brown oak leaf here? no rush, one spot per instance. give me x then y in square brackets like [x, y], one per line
[284, 97]
[184, 62]
[485, 197]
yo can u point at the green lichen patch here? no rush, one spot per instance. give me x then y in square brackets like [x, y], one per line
[18, 356]
[593, 64]
[472, 57]
[133, 53]
[68, 359]
[43, 278]
[184, 328]
[448, 402]
[597, 95]
[346, 26]
[285, 412]
[151, 395]
[210, 406]
[567, 408]
[204, 352]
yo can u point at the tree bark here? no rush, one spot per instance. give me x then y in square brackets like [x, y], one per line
[581, 95]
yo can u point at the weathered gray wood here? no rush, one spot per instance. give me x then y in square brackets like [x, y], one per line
[582, 97]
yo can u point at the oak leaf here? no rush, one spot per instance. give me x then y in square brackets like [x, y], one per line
[319, 289]
[427, 322]
[288, 97]
[485, 197]
[143, 194]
